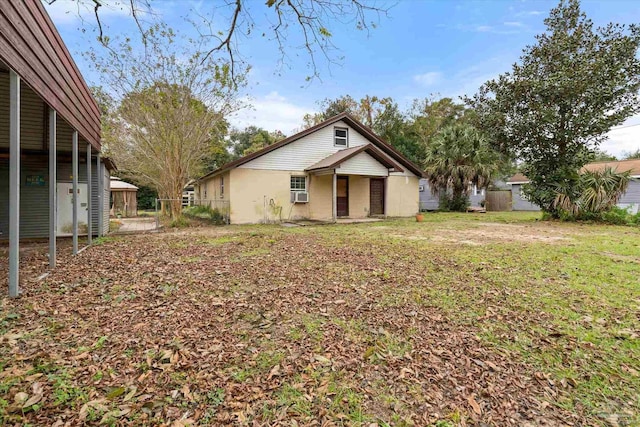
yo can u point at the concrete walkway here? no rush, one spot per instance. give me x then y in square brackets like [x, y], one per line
[136, 225]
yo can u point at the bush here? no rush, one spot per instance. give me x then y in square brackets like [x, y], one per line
[614, 215]
[450, 203]
[618, 216]
[206, 213]
[180, 222]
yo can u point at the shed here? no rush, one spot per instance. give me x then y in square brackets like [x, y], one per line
[124, 198]
[51, 167]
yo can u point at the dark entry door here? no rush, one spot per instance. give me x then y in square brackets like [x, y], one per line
[342, 196]
[376, 196]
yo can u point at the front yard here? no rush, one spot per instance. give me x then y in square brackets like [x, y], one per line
[465, 319]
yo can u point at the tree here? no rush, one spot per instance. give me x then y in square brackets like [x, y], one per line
[252, 139]
[599, 155]
[632, 155]
[429, 116]
[171, 99]
[457, 157]
[597, 192]
[555, 107]
[292, 24]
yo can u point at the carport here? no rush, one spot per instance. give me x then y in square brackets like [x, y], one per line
[50, 163]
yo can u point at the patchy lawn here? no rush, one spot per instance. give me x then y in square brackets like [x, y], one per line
[474, 319]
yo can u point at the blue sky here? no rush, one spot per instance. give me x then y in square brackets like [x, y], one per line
[444, 48]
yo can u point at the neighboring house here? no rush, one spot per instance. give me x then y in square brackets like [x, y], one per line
[630, 199]
[189, 194]
[124, 198]
[431, 202]
[50, 163]
[336, 169]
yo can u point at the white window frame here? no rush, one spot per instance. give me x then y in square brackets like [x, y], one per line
[297, 177]
[341, 138]
[222, 187]
[476, 192]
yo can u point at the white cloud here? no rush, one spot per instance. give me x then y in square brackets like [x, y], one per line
[513, 24]
[271, 112]
[624, 139]
[530, 13]
[428, 79]
[484, 28]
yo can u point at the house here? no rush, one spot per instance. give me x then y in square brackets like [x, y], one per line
[124, 198]
[630, 199]
[336, 169]
[52, 176]
[431, 202]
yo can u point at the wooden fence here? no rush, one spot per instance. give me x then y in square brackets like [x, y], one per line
[498, 200]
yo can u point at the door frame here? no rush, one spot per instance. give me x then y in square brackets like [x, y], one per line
[345, 178]
[384, 195]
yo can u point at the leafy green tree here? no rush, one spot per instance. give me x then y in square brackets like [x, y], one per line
[458, 157]
[556, 106]
[632, 155]
[169, 97]
[252, 139]
[599, 155]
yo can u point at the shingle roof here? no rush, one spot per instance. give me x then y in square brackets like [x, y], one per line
[337, 158]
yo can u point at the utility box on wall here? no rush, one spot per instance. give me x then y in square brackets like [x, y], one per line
[65, 209]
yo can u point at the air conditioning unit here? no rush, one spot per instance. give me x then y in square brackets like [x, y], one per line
[300, 197]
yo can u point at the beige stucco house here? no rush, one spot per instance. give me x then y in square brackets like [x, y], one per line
[336, 169]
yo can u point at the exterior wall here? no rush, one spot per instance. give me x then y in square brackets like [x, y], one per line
[402, 196]
[209, 192]
[34, 200]
[518, 203]
[631, 198]
[320, 197]
[363, 164]
[429, 202]
[300, 154]
[261, 196]
[359, 194]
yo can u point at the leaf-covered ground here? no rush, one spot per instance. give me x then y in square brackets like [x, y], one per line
[492, 319]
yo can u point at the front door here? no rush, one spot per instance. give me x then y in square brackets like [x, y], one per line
[342, 196]
[376, 196]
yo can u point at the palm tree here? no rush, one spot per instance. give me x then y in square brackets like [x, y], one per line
[598, 191]
[457, 157]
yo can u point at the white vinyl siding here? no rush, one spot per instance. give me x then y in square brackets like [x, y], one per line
[363, 164]
[300, 154]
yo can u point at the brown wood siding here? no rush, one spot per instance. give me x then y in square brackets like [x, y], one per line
[342, 197]
[376, 196]
[32, 47]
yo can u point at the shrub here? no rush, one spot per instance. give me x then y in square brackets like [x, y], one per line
[451, 203]
[205, 212]
[179, 222]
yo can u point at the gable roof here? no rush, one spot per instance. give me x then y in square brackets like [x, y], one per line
[348, 119]
[631, 165]
[341, 156]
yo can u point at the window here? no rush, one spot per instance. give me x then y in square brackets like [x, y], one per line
[221, 187]
[341, 137]
[477, 192]
[298, 183]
